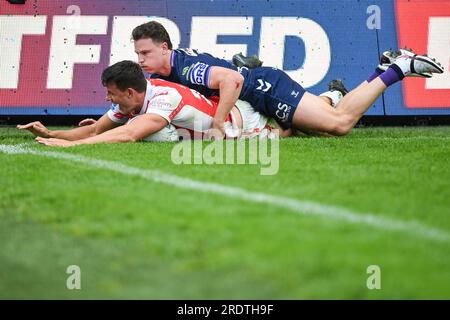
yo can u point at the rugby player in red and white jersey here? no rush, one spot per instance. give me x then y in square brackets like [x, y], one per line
[150, 109]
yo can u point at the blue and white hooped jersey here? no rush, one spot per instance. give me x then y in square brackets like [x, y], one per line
[192, 68]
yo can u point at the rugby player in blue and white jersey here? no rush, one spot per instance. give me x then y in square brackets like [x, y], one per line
[270, 91]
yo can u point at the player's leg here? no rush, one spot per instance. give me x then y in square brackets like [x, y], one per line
[336, 91]
[312, 114]
[281, 102]
[315, 115]
[406, 63]
[388, 58]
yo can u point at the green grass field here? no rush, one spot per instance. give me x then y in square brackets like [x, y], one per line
[135, 237]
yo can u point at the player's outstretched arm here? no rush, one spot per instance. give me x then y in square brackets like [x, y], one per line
[229, 83]
[102, 125]
[39, 130]
[138, 129]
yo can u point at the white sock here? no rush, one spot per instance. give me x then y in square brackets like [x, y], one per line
[335, 97]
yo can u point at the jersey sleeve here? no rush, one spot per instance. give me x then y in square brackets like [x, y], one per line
[198, 73]
[165, 105]
[115, 115]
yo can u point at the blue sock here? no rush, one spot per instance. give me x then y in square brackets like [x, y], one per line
[376, 74]
[392, 75]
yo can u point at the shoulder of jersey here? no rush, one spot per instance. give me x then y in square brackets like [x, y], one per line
[157, 83]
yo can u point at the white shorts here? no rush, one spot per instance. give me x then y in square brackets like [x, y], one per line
[253, 123]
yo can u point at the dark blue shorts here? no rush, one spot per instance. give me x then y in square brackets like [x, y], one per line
[272, 93]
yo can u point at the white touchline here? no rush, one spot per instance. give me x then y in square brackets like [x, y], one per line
[299, 206]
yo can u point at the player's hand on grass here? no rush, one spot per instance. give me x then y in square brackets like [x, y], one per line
[36, 128]
[54, 142]
[86, 122]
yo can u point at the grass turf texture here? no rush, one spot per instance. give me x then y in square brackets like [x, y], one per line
[135, 238]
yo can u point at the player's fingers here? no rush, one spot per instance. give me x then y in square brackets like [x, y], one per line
[86, 122]
[209, 135]
[46, 142]
[40, 140]
[215, 134]
[26, 126]
[54, 142]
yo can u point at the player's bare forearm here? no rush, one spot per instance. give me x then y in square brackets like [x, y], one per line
[102, 125]
[39, 130]
[73, 134]
[121, 134]
[137, 130]
[229, 83]
[230, 89]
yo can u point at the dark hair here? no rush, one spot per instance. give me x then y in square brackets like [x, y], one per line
[125, 74]
[152, 30]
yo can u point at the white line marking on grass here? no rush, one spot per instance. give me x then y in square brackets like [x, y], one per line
[414, 228]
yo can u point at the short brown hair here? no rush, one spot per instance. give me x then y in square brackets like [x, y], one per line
[152, 30]
[125, 74]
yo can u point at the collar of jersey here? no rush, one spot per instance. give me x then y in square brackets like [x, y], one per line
[172, 58]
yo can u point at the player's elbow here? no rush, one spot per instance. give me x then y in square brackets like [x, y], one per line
[238, 79]
[126, 135]
[131, 136]
[343, 126]
[234, 79]
[94, 129]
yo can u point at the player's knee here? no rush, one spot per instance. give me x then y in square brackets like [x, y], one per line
[342, 131]
[342, 126]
